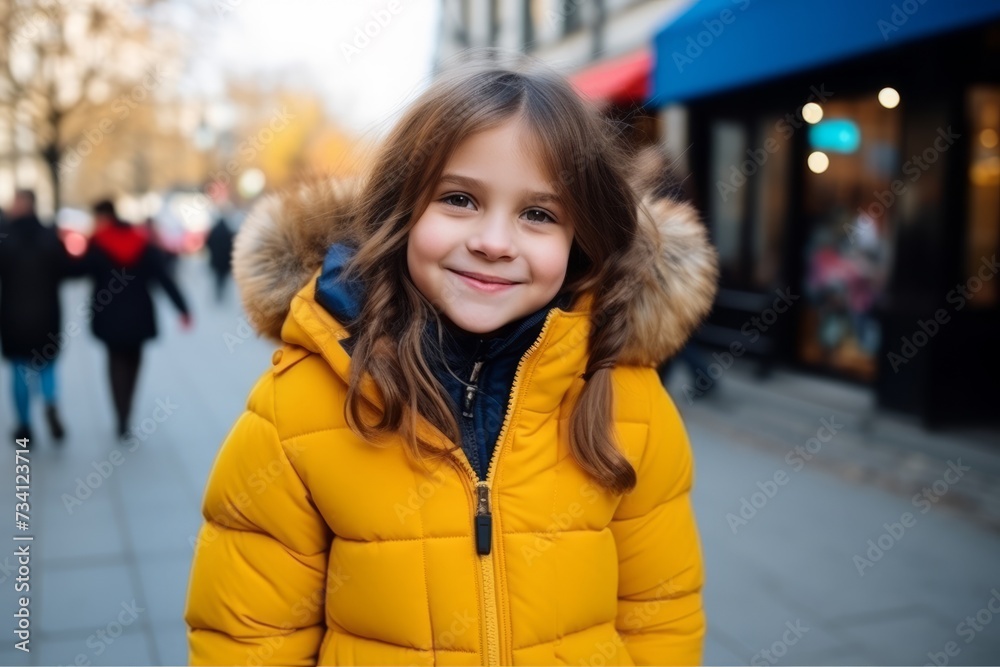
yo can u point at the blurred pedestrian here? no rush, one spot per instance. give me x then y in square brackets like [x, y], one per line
[32, 263]
[123, 263]
[220, 250]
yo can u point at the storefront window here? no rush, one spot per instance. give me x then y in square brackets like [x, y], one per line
[983, 223]
[770, 206]
[727, 199]
[850, 203]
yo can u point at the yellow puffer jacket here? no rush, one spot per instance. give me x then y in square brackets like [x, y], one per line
[321, 548]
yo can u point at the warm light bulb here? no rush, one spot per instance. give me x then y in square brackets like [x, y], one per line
[888, 97]
[988, 138]
[818, 162]
[251, 183]
[812, 113]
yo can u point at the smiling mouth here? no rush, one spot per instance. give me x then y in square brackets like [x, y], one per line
[483, 278]
[483, 282]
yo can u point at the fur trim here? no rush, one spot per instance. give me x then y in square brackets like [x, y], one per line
[677, 291]
[284, 239]
[678, 288]
[281, 244]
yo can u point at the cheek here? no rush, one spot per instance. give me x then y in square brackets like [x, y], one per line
[549, 261]
[425, 248]
[428, 240]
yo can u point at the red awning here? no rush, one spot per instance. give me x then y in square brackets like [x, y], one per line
[623, 80]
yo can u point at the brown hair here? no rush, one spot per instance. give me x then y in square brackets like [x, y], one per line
[583, 161]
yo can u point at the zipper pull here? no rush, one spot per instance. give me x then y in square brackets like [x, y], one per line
[470, 395]
[471, 389]
[484, 520]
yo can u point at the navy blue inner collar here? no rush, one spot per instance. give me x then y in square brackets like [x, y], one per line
[460, 345]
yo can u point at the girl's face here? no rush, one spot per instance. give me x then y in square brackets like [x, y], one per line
[493, 244]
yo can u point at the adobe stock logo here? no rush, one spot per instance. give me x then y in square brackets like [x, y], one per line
[381, 18]
[797, 458]
[927, 329]
[879, 546]
[714, 27]
[969, 628]
[901, 13]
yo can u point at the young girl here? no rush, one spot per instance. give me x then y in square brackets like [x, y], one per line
[462, 454]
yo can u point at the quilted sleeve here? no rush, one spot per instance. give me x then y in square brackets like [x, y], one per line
[257, 588]
[660, 615]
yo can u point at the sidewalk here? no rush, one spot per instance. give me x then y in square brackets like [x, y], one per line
[786, 538]
[874, 447]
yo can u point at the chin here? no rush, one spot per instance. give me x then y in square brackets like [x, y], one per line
[476, 325]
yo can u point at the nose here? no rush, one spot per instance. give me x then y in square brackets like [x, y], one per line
[493, 238]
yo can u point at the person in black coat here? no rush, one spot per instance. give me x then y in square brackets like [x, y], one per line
[123, 263]
[32, 263]
[220, 250]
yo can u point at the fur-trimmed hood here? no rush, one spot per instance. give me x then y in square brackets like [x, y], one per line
[282, 243]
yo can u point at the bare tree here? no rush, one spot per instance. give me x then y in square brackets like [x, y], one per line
[60, 59]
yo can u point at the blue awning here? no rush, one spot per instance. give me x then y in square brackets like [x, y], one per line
[720, 44]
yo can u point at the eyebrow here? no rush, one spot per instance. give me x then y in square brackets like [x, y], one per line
[474, 183]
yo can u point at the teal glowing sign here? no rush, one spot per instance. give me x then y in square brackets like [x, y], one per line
[836, 136]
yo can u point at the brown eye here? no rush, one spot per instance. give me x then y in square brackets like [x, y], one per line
[459, 200]
[537, 215]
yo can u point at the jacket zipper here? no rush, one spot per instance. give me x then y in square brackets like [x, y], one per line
[483, 521]
[470, 389]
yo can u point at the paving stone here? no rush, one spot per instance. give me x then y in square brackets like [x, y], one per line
[90, 531]
[89, 597]
[718, 652]
[164, 583]
[901, 639]
[166, 530]
[129, 648]
[171, 643]
[14, 657]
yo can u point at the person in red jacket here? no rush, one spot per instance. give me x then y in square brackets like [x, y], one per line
[123, 264]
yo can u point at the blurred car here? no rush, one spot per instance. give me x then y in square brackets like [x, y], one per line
[183, 221]
[74, 227]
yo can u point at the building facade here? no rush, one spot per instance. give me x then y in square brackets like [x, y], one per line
[846, 158]
[603, 42]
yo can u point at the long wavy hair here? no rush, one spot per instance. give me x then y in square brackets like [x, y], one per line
[585, 163]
